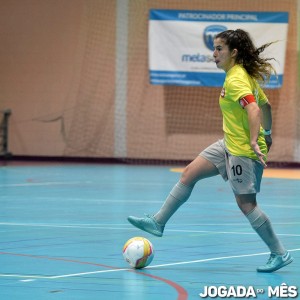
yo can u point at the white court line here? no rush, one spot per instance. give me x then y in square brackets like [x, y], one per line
[35, 277]
[226, 232]
[90, 226]
[128, 201]
[29, 278]
[75, 182]
[42, 183]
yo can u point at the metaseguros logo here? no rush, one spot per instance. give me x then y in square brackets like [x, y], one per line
[209, 34]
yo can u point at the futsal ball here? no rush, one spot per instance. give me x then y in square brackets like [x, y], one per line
[138, 252]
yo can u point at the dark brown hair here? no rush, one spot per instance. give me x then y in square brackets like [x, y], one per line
[248, 55]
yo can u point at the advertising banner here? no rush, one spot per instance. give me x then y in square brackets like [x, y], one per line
[181, 44]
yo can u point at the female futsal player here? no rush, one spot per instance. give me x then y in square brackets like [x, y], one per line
[240, 156]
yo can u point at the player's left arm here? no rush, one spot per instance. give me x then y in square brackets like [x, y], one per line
[267, 123]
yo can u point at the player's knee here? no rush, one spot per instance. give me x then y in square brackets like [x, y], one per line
[246, 203]
[186, 177]
[245, 208]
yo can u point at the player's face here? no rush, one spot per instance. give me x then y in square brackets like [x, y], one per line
[224, 58]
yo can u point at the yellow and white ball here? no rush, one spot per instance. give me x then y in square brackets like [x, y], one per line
[138, 252]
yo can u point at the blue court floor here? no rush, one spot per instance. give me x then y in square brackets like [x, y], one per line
[63, 227]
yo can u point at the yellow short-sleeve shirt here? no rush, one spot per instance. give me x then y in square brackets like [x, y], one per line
[238, 84]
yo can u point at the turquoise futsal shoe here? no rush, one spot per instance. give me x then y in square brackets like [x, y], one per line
[147, 224]
[276, 262]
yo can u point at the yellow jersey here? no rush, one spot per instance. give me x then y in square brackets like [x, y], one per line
[238, 84]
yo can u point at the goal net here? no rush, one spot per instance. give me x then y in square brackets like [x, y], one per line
[118, 113]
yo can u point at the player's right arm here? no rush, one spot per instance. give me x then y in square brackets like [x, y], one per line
[254, 118]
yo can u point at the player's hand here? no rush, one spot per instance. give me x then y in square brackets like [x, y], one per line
[259, 154]
[268, 139]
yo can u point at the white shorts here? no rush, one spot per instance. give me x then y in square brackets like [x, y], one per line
[244, 174]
